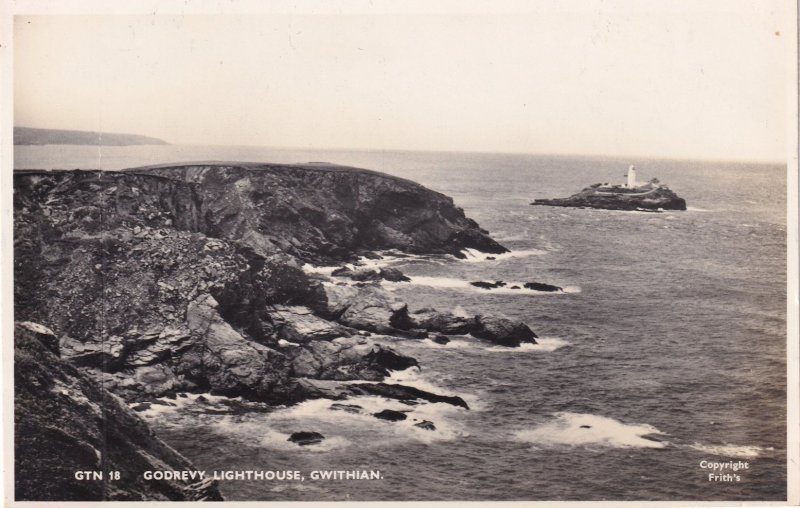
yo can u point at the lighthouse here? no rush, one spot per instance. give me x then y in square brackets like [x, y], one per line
[631, 177]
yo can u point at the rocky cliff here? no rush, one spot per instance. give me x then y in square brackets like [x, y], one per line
[189, 278]
[66, 423]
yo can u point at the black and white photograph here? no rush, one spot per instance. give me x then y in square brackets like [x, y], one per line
[400, 251]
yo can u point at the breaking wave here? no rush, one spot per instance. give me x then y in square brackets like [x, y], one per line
[576, 429]
[729, 450]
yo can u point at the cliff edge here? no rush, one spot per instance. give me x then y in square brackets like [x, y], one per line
[65, 423]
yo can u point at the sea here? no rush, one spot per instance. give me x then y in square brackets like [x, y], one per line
[663, 358]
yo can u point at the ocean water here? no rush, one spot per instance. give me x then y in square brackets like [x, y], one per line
[667, 349]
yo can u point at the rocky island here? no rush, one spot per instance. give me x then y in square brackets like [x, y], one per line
[652, 196]
[151, 283]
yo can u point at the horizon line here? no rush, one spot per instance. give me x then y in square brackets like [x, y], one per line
[697, 158]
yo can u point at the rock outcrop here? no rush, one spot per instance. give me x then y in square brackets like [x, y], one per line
[324, 211]
[649, 197]
[162, 280]
[65, 422]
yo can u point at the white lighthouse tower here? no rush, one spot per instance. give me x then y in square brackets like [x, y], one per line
[631, 177]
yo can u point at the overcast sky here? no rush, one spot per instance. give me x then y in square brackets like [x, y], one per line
[676, 79]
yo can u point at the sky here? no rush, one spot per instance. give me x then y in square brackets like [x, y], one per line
[663, 78]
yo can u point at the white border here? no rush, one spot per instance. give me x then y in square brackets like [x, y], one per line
[9, 9]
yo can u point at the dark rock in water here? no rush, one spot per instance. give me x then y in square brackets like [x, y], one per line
[305, 438]
[488, 285]
[402, 392]
[142, 406]
[365, 275]
[539, 286]
[409, 402]
[503, 331]
[103, 434]
[651, 437]
[425, 424]
[442, 322]
[305, 389]
[394, 275]
[390, 415]
[515, 287]
[649, 197]
[163, 403]
[440, 339]
[389, 359]
[358, 274]
[586, 426]
[347, 408]
[342, 272]
[491, 258]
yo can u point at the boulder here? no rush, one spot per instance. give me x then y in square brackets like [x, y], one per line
[347, 359]
[426, 425]
[394, 275]
[298, 324]
[439, 339]
[305, 438]
[390, 415]
[376, 310]
[365, 275]
[347, 408]
[343, 271]
[488, 285]
[156, 380]
[503, 331]
[540, 286]
[442, 322]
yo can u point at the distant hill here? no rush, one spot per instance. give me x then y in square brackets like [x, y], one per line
[32, 136]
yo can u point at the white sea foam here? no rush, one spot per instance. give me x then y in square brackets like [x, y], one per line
[174, 405]
[344, 428]
[697, 209]
[463, 285]
[318, 270]
[467, 342]
[476, 256]
[254, 430]
[576, 429]
[729, 450]
[543, 345]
